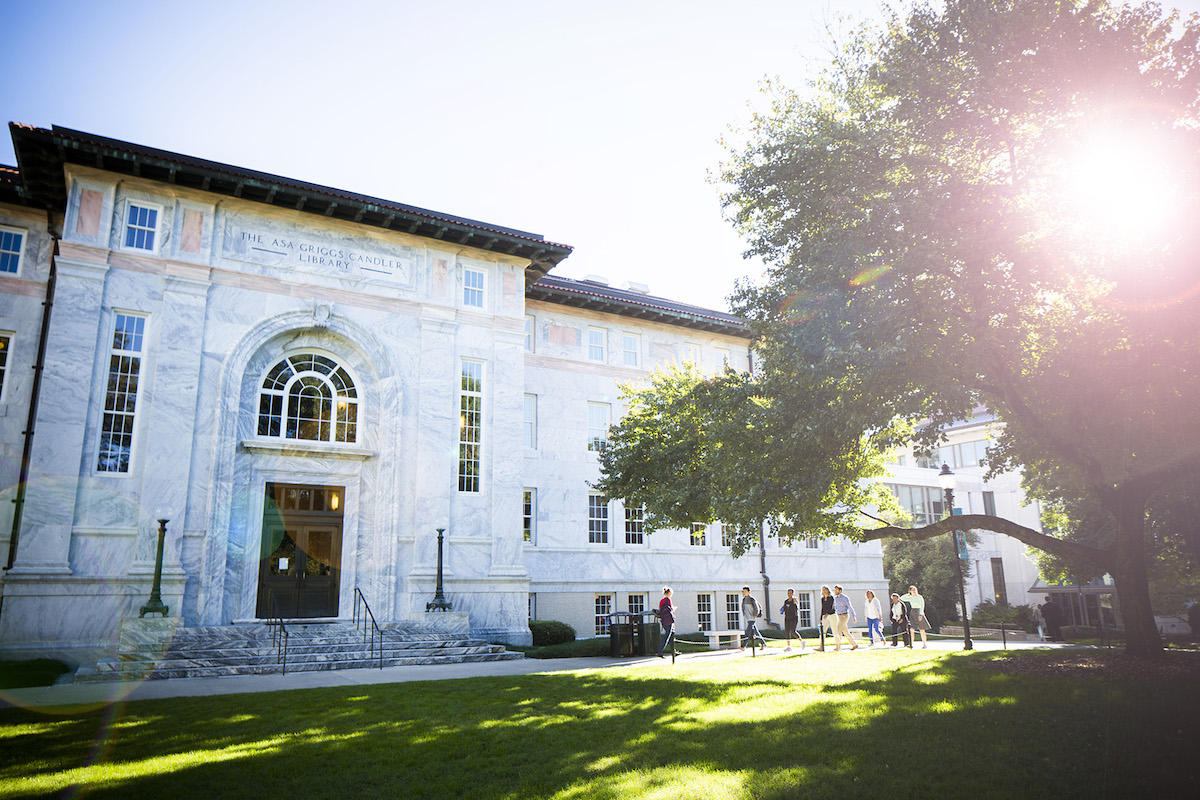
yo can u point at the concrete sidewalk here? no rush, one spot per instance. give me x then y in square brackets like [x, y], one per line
[84, 695]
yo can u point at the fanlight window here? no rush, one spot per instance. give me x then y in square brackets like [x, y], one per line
[308, 396]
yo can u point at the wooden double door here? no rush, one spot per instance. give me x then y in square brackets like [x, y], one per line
[300, 567]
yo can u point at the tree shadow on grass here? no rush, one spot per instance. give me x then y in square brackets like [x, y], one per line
[937, 726]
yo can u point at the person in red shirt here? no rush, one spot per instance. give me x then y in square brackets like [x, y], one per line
[666, 615]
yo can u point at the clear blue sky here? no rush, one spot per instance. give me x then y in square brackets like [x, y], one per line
[593, 124]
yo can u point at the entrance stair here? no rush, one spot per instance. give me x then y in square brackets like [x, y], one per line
[252, 650]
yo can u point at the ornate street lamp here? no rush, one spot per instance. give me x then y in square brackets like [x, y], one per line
[440, 603]
[155, 604]
[947, 481]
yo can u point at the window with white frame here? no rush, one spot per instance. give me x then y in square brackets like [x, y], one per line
[12, 244]
[804, 604]
[812, 543]
[604, 604]
[120, 397]
[733, 611]
[631, 349]
[533, 605]
[957, 456]
[473, 288]
[530, 327]
[724, 357]
[635, 526]
[726, 535]
[596, 344]
[470, 426]
[599, 418]
[989, 503]
[530, 423]
[311, 397]
[704, 611]
[597, 519]
[699, 532]
[141, 226]
[5, 341]
[528, 513]
[691, 352]
[923, 503]
[637, 604]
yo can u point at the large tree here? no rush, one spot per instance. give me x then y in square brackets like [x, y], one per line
[980, 203]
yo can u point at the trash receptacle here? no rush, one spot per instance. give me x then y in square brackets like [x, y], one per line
[620, 634]
[649, 635]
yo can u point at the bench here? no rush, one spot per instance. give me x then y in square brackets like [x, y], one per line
[714, 638]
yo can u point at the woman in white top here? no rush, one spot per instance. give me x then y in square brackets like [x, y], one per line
[874, 614]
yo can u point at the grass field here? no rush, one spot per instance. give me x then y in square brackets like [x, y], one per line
[868, 726]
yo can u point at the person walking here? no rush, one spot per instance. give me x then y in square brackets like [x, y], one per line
[1054, 617]
[845, 613]
[666, 617]
[791, 616]
[751, 612]
[874, 614]
[828, 619]
[900, 621]
[916, 615]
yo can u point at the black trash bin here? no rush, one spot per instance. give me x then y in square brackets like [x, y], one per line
[620, 634]
[649, 635]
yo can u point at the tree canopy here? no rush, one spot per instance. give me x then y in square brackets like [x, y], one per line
[981, 203]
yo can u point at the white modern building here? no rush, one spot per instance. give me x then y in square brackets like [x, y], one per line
[308, 384]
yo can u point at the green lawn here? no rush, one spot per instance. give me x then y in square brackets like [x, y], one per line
[872, 726]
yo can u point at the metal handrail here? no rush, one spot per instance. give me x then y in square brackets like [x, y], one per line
[374, 629]
[279, 632]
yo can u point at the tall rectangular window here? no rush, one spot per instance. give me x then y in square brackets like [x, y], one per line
[999, 587]
[5, 339]
[604, 607]
[631, 349]
[141, 226]
[529, 329]
[12, 242]
[923, 503]
[635, 531]
[726, 535]
[691, 352]
[733, 611]
[596, 337]
[812, 543]
[533, 605]
[473, 288]
[597, 519]
[120, 398]
[637, 604]
[989, 503]
[724, 357]
[704, 611]
[804, 603]
[599, 416]
[528, 513]
[699, 532]
[530, 423]
[470, 426]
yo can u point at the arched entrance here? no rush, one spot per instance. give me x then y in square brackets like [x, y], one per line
[301, 554]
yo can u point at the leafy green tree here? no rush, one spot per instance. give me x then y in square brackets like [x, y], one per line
[934, 245]
[928, 565]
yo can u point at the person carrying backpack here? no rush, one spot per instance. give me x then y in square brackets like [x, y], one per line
[751, 612]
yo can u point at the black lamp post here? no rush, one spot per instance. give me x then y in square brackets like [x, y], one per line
[947, 480]
[155, 604]
[440, 603]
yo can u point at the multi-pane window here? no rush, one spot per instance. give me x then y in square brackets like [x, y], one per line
[699, 529]
[704, 611]
[470, 426]
[804, 603]
[528, 513]
[596, 337]
[691, 352]
[724, 357]
[5, 339]
[530, 423]
[597, 519]
[308, 396]
[11, 243]
[529, 328]
[726, 535]
[631, 349]
[733, 611]
[989, 503]
[812, 543]
[120, 398]
[923, 503]
[604, 603]
[637, 604]
[635, 530]
[999, 588]
[473, 288]
[957, 456]
[599, 416]
[141, 226]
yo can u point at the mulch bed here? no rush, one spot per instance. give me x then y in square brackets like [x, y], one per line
[1101, 665]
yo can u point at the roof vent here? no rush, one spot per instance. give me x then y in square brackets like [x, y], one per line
[639, 288]
[600, 279]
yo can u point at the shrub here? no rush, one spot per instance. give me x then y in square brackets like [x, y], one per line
[548, 632]
[988, 615]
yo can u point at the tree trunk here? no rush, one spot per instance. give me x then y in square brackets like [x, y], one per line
[1133, 585]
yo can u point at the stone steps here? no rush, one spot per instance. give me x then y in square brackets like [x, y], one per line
[249, 650]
